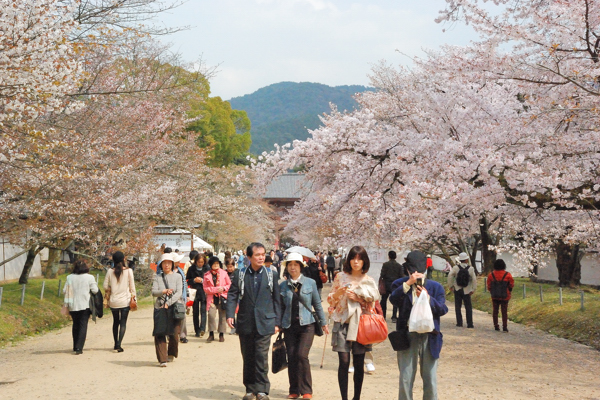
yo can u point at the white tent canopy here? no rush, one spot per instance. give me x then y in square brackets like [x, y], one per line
[181, 240]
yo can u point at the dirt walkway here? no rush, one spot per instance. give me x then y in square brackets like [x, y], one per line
[475, 364]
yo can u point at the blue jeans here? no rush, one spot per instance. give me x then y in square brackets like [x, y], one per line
[407, 364]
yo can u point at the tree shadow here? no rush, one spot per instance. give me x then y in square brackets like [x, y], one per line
[66, 351]
[135, 364]
[220, 393]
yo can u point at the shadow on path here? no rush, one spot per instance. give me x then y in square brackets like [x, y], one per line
[135, 364]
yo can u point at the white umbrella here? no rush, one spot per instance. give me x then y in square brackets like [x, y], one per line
[302, 251]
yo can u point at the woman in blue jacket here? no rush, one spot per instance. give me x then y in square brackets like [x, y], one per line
[299, 296]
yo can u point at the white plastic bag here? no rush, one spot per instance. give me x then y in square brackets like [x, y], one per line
[191, 295]
[421, 317]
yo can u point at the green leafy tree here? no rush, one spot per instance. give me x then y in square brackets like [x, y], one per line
[224, 132]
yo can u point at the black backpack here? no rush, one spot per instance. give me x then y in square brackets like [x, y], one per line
[463, 277]
[499, 288]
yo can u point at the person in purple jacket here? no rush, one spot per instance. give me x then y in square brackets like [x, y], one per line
[415, 346]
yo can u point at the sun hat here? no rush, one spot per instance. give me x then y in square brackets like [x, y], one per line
[293, 257]
[463, 257]
[170, 257]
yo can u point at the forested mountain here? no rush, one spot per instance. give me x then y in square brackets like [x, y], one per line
[282, 112]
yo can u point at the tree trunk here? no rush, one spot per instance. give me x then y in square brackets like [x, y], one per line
[53, 260]
[568, 263]
[488, 256]
[31, 254]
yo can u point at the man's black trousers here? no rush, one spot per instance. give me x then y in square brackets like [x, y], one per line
[255, 353]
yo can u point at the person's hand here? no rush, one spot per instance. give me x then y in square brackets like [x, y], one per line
[340, 292]
[420, 289]
[168, 292]
[452, 288]
[326, 329]
[276, 329]
[413, 278]
[230, 323]
[198, 279]
[471, 293]
[353, 296]
[220, 289]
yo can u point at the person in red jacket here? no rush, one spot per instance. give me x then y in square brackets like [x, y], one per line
[500, 284]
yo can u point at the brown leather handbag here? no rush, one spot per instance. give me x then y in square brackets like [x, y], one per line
[372, 328]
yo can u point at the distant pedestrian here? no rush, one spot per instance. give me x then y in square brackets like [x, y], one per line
[120, 284]
[352, 291]
[230, 268]
[299, 296]
[195, 279]
[500, 284]
[167, 287]
[313, 271]
[390, 272]
[463, 281]
[421, 350]
[330, 263]
[259, 317]
[429, 266]
[216, 285]
[77, 290]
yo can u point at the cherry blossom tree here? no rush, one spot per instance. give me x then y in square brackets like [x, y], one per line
[93, 143]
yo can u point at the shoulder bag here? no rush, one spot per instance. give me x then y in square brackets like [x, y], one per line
[318, 323]
[382, 290]
[163, 325]
[178, 308]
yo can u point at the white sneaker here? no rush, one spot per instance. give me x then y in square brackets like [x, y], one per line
[370, 368]
[162, 365]
[351, 370]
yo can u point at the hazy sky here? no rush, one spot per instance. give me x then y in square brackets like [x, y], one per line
[335, 42]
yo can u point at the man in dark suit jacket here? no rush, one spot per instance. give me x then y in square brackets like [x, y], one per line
[426, 346]
[390, 272]
[258, 318]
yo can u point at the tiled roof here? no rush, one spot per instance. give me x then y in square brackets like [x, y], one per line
[287, 186]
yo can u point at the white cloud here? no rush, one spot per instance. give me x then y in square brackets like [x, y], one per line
[335, 42]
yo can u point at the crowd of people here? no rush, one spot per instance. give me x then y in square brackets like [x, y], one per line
[258, 295]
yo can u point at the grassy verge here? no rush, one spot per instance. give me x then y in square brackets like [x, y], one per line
[36, 316]
[566, 320]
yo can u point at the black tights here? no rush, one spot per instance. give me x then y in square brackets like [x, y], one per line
[119, 324]
[358, 360]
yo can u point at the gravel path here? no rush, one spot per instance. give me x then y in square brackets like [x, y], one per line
[476, 363]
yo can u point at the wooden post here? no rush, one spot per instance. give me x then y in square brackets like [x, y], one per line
[484, 285]
[560, 299]
[541, 294]
[582, 307]
[1, 290]
[23, 294]
[59, 285]
[43, 287]
[97, 278]
[524, 291]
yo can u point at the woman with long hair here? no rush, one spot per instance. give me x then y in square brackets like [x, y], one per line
[299, 296]
[216, 286]
[352, 291]
[120, 284]
[195, 279]
[77, 298]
